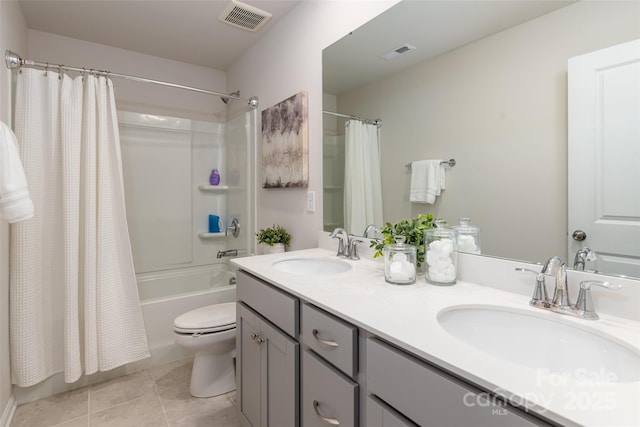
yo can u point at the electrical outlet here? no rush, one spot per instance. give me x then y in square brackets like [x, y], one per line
[311, 201]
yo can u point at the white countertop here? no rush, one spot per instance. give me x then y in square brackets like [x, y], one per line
[407, 317]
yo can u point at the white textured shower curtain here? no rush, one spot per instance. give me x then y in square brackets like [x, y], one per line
[74, 304]
[362, 180]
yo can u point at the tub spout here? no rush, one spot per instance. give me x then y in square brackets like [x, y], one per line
[230, 252]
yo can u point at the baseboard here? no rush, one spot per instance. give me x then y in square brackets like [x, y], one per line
[7, 413]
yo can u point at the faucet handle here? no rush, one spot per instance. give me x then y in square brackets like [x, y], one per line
[584, 304]
[540, 297]
[353, 249]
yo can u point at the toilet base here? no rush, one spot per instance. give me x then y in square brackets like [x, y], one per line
[213, 374]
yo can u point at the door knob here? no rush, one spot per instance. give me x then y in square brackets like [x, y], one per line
[579, 235]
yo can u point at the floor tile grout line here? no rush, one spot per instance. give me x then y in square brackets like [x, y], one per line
[164, 411]
[89, 407]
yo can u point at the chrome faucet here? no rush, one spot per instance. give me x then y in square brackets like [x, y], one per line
[560, 303]
[556, 267]
[371, 227]
[582, 256]
[344, 245]
[229, 252]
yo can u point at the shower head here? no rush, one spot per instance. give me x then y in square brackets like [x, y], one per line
[226, 100]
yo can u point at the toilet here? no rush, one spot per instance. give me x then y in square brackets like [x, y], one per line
[211, 332]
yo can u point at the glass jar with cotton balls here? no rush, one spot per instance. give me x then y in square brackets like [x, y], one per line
[441, 250]
[468, 236]
[400, 262]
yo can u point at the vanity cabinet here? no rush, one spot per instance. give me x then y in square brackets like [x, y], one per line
[300, 366]
[267, 355]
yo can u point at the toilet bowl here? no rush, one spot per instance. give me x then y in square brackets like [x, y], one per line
[211, 332]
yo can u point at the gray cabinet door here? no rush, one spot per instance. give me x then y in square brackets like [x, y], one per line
[280, 361]
[248, 367]
[267, 373]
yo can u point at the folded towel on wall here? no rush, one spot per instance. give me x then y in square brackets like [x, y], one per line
[15, 201]
[427, 181]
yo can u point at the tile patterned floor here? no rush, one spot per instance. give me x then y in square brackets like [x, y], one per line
[157, 397]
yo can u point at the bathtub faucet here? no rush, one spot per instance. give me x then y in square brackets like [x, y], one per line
[230, 252]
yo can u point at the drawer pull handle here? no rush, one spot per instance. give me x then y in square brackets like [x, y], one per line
[332, 421]
[330, 343]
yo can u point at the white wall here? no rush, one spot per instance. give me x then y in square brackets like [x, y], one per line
[496, 106]
[285, 61]
[136, 96]
[13, 36]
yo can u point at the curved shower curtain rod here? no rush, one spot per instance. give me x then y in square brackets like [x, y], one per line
[13, 60]
[377, 122]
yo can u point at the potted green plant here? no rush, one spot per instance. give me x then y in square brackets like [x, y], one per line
[413, 231]
[273, 239]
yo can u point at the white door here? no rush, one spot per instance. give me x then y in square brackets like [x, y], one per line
[604, 157]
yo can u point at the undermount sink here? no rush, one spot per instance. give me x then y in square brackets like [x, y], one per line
[549, 346]
[312, 266]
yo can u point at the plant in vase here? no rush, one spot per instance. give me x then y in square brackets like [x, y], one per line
[413, 231]
[273, 239]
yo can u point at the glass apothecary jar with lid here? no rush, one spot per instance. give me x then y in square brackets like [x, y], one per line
[468, 236]
[400, 262]
[441, 250]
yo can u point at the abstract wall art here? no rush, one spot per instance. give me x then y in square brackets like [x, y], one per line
[285, 144]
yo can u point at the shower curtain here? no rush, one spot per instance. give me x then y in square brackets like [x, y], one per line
[74, 305]
[362, 181]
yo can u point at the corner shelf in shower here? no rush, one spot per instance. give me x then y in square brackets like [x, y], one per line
[205, 235]
[213, 188]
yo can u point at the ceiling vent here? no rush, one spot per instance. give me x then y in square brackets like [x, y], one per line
[243, 16]
[397, 52]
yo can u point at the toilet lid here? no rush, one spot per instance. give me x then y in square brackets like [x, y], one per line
[210, 318]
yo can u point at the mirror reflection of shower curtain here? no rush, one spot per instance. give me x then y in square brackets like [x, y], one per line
[74, 304]
[362, 180]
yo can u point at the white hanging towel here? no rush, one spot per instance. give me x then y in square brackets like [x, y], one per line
[427, 181]
[15, 201]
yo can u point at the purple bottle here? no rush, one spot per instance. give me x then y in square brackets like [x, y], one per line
[214, 178]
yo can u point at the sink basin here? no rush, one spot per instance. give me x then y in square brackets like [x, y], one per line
[549, 346]
[312, 266]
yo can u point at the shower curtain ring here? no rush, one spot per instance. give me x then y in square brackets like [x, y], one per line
[59, 72]
[46, 70]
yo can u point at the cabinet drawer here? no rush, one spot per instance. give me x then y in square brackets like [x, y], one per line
[333, 339]
[327, 395]
[381, 415]
[280, 308]
[431, 397]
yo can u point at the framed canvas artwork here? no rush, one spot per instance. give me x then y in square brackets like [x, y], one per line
[285, 144]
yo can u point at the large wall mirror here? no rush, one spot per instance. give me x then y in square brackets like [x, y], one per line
[485, 83]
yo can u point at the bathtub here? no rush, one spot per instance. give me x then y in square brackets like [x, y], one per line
[196, 286]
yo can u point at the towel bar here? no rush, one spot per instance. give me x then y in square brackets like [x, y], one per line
[450, 162]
